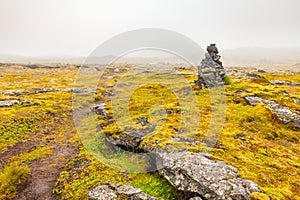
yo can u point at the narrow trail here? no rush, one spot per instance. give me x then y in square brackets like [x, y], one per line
[44, 173]
[20, 147]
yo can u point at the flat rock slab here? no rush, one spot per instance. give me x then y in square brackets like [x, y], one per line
[284, 114]
[43, 90]
[211, 179]
[280, 82]
[8, 103]
[102, 192]
[13, 92]
[105, 192]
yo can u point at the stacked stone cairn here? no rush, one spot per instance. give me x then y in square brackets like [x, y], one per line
[211, 72]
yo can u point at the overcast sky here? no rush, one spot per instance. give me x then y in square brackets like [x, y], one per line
[76, 28]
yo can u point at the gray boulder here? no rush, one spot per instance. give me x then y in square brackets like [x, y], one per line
[210, 179]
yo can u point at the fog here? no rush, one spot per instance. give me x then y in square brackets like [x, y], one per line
[76, 28]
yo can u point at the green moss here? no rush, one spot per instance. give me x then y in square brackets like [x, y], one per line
[228, 80]
[85, 172]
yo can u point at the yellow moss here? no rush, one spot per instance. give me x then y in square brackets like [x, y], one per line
[39, 152]
[269, 156]
[258, 196]
[10, 177]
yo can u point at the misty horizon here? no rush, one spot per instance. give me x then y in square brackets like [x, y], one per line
[75, 28]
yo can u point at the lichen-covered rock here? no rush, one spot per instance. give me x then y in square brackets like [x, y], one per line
[283, 113]
[142, 120]
[133, 193]
[102, 192]
[8, 103]
[105, 192]
[83, 90]
[280, 82]
[43, 90]
[13, 92]
[196, 198]
[211, 179]
[132, 138]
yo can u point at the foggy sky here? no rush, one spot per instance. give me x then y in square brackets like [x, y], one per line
[76, 28]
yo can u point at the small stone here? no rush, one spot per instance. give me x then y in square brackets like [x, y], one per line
[284, 93]
[261, 71]
[278, 82]
[297, 101]
[240, 136]
[117, 70]
[107, 77]
[40, 90]
[99, 109]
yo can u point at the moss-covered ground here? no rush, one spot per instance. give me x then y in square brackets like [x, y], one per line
[43, 133]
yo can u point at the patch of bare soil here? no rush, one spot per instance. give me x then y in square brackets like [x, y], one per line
[44, 173]
[18, 148]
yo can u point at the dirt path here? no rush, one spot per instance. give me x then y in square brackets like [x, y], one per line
[18, 148]
[44, 173]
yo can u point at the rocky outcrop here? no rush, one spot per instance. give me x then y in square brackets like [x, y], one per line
[284, 114]
[195, 173]
[110, 192]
